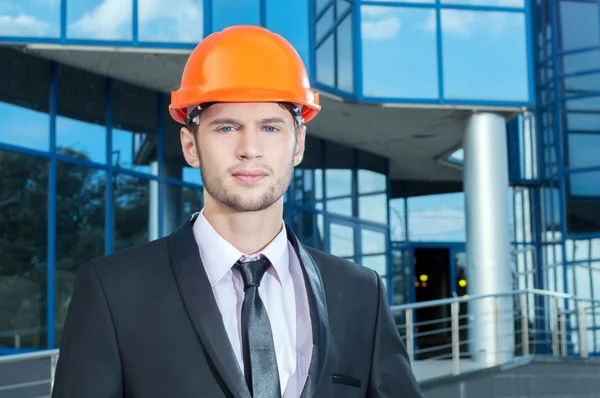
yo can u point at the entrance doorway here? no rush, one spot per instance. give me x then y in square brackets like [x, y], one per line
[432, 274]
[439, 273]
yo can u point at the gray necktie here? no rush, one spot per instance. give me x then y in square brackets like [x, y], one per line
[260, 362]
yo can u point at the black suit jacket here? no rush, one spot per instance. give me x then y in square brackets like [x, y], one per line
[143, 323]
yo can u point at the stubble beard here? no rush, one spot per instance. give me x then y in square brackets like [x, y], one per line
[235, 201]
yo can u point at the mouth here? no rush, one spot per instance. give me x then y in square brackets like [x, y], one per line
[249, 176]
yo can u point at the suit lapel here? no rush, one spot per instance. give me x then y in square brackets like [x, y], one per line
[202, 308]
[318, 315]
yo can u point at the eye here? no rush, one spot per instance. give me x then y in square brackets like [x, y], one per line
[225, 129]
[271, 129]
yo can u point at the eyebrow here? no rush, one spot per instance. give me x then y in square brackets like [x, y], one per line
[272, 120]
[225, 120]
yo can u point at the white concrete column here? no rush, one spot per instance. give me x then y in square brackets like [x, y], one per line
[172, 200]
[153, 207]
[488, 247]
[173, 197]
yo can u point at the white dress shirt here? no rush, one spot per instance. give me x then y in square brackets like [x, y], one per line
[282, 291]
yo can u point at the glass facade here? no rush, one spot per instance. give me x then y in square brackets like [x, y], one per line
[90, 164]
[160, 24]
[435, 51]
[568, 120]
[424, 51]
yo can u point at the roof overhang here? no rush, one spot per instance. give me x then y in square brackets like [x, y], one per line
[416, 138]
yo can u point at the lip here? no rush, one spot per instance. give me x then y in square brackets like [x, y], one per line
[250, 172]
[249, 175]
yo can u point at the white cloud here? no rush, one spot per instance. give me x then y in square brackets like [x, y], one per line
[48, 3]
[373, 11]
[437, 224]
[378, 24]
[465, 23]
[110, 17]
[495, 3]
[385, 28]
[105, 21]
[22, 25]
[456, 22]
[32, 134]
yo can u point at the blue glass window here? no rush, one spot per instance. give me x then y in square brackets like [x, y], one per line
[406, 1]
[583, 203]
[180, 21]
[135, 115]
[399, 52]
[484, 55]
[583, 121]
[30, 18]
[588, 83]
[584, 149]
[338, 179]
[373, 208]
[320, 5]
[80, 139]
[24, 127]
[397, 219]
[341, 7]
[290, 20]
[552, 209]
[24, 250]
[235, 12]
[325, 62]
[437, 218]
[345, 63]
[488, 3]
[373, 250]
[342, 240]
[80, 228]
[81, 127]
[99, 19]
[324, 24]
[578, 24]
[579, 62]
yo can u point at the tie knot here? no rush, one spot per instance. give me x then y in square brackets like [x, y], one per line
[253, 271]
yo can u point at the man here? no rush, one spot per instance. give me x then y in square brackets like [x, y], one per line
[231, 304]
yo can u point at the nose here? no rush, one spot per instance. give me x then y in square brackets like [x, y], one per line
[249, 145]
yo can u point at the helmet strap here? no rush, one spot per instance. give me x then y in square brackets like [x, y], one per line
[194, 116]
[298, 113]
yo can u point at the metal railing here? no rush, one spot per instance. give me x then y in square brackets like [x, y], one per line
[51, 355]
[451, 336]
[17, 336]
[581, 342]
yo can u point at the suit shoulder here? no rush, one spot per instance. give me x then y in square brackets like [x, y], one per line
[328, 263]
[132, 258]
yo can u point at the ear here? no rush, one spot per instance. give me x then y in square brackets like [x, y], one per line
[188, 147]
[300, 145]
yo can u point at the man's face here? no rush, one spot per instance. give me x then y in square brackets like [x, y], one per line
[246, 153]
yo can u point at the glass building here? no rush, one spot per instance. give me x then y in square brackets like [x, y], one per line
[454, 133]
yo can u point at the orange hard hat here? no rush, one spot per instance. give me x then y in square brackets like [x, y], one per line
[244, 64]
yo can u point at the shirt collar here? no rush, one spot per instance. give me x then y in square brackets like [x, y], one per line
[218, 255]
